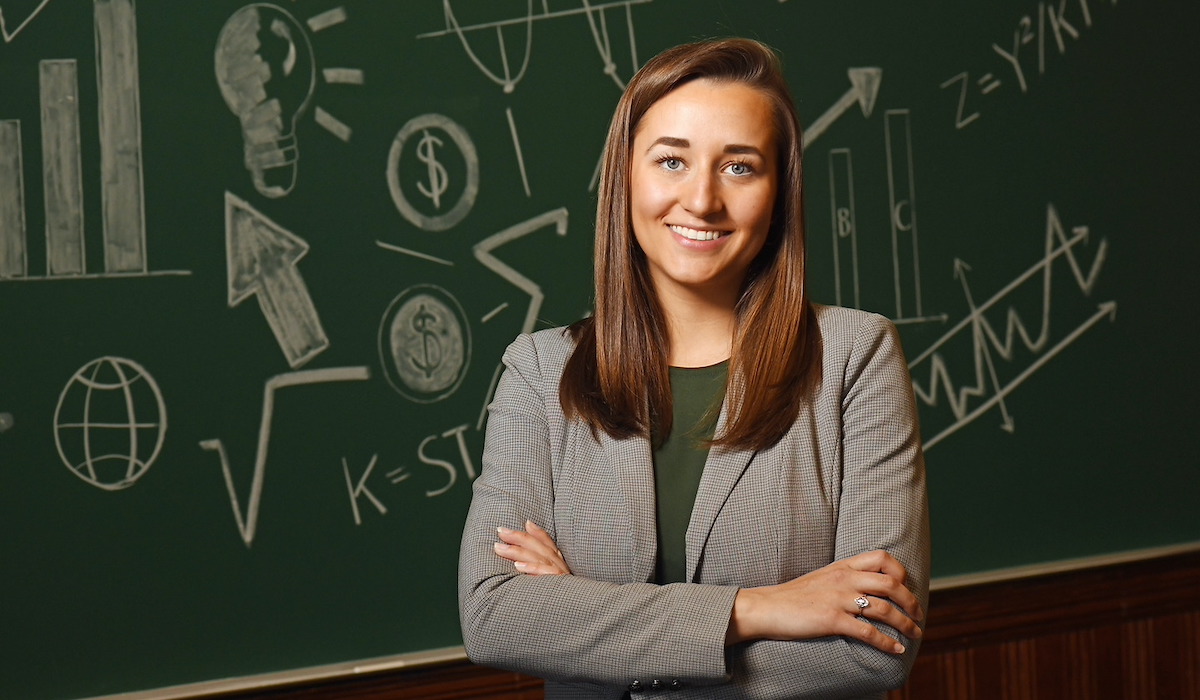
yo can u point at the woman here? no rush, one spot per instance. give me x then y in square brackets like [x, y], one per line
[712, 485]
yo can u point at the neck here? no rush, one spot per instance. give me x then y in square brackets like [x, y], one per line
[700, 326]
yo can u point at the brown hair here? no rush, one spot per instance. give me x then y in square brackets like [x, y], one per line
[616, 379]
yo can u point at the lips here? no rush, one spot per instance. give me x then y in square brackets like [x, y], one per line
[697, 234]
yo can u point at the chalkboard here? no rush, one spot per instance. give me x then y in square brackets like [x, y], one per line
[258, 263]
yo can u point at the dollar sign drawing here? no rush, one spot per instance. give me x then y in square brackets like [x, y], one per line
[430, 344]
[437, 172]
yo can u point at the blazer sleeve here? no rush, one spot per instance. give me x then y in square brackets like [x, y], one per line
[883, 505]
[567, 628]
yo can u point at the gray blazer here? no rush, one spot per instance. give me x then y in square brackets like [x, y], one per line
[848, 477]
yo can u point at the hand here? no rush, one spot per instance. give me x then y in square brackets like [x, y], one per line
[822, 603]
[532, 551]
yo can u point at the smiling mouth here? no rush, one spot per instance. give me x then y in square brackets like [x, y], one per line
[696, 234]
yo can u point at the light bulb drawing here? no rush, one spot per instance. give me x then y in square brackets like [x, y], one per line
[266, 72]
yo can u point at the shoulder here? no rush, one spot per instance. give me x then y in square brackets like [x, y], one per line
[843, 328]
[543, 352]
[858, 344]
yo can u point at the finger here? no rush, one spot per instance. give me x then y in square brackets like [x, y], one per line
[511, 552]
[543, 546]
[866, 632]
[534, 569]
[881, 562]
[540, 534]
[884, 586]
[884, 611]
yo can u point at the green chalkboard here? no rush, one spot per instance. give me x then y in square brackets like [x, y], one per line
[258, 263]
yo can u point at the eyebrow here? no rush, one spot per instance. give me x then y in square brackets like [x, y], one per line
[734, 148]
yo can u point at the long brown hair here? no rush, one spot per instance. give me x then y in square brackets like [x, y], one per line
[616, 379]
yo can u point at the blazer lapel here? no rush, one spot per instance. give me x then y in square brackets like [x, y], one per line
[634, 466]
[722, 471]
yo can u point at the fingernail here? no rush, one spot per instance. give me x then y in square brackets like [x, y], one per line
[520, 565]
[899, 648]
[500, 545]
[503, 530]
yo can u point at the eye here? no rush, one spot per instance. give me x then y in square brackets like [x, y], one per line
[670, 163]
[740, 169]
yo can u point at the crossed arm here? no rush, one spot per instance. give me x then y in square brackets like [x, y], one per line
[817, 604]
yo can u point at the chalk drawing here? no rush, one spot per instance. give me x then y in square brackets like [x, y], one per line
[120, 180]
[437, 178]
[864, 88]
[10, 34]
[504, 76]
[1026, 56]
[261, 259]
[845, 229]
[484, 253]
[902, 205]
[62, 167]
[512, 128]
[120, 119]
[359, 488]
[425, 343]
[985, 341]
[451, 470]
[414, 253]
[14, 258]
[110, 423]
[507, 78]
[266, 72]
[248, 524]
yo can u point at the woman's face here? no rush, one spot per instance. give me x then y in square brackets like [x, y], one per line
[703, 178]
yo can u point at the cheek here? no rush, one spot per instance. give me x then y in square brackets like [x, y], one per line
[648, 199]
[756, 209]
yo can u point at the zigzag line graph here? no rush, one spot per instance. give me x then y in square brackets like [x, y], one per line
[988, 345]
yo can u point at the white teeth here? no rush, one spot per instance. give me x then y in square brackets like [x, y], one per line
[695, 234]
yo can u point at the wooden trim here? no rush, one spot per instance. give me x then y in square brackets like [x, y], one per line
[1126, 630]
[1061, 566]
[1066, 601]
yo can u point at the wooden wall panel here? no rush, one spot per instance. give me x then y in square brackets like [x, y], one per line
[1123, 632]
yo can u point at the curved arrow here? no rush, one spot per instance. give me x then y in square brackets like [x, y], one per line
[261, 257]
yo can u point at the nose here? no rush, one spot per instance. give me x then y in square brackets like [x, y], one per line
[701, 195]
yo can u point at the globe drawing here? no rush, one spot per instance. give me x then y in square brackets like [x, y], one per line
[110, 423]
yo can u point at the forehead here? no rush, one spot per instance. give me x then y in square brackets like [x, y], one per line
[708, 110]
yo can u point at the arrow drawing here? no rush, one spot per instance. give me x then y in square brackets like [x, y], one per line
[261, 257]
[10, 35]
[1108, 308]
[864, 88]
[249, 523]
[484, 248]
[986, 340]
[982, 351]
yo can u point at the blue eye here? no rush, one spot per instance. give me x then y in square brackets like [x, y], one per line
[670, 163]
[740, 169]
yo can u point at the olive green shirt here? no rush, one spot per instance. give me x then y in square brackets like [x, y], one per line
[696, 395]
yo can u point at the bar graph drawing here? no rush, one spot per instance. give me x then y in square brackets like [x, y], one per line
[123, 222]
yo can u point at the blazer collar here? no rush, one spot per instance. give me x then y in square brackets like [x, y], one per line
[722, 470]
[633, 463]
